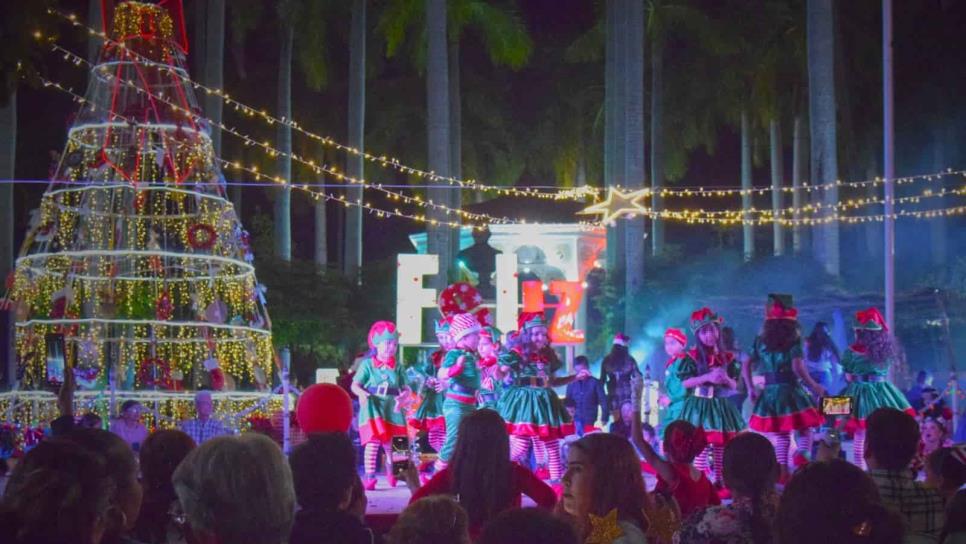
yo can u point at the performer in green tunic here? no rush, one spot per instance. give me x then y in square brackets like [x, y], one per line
[708, 373]
[490, 349]
[377, 383]
[462, 377]
[429, 416]
[866, 366]
[675, 344]
[783, 406]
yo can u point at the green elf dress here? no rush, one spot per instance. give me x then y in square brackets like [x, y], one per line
[429, 415]
[784, 405]
[460, 398]
[869, 387]
[708, 406]
[529, 405]
[675, 391]
[379, 420]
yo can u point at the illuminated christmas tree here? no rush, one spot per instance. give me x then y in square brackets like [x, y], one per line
[136, 270]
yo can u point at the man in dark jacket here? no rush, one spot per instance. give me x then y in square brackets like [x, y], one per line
[587, 394]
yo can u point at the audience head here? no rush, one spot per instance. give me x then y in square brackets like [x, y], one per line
[683, 441]
[236, 489]
[932, 431]
[571, 406]
[160, 455]
[627, 411]
[750, 471]
[924, 377]
[324, 471]
[581, 363]
[955, 518]
[204, 406]
[481, 471]
[122, 468]
[530, 525]
[90, 420]
[834, 501]
[433, 520]
[59, 492]
[891, 439]
[131, 411]
[603, 473]
[950, 467]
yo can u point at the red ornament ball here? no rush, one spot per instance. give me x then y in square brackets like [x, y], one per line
[324, 408]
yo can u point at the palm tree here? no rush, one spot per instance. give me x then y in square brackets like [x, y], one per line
[283, 203]
[747, 229]
[634, 158]
[355, 165]
[95, 21]
[824, 156]
[614, 89]
[8, 150]
[438, 131]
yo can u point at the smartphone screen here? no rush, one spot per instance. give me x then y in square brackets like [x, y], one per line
[56, 361]
[399, 467]
[837, 406]
[400, 445]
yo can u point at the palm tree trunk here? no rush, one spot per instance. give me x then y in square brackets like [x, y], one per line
[95, 21]
[634, 167]
[283, 203]
[8, 154]
[438, 129]
[821, 95]
[614, 118]
[937, 225]
[355, 165]
[657, 146]
[798, 163]
[455, 134]
[747, 230]
[775, 141]
[321, 234]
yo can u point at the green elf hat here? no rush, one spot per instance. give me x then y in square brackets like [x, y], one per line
[704, 316]
[529, 320]
[493, 334]
[780, 306]
[870, 320]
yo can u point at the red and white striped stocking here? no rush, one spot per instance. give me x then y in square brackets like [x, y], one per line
[718, 463]
[552, 447]
[540, 451]
[858, 449]
[519, 449]
[781, 441]
[370, 457]
[437, 436]
[701, 462]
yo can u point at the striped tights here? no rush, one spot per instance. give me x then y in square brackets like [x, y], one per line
[371, 456]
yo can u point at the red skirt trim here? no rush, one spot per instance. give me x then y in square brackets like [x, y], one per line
[805, 419]
[428, 424]
[855, 424]
[720, 438]
[545, 432]
[380, 430]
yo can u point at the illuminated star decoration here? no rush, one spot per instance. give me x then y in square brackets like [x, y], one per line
[604, 530]
[617, 204]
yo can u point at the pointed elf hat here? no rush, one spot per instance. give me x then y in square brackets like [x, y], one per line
[870, 320]
[462, 325]
[621, 339]
[676, 334]
[380, 331]
[529, 320]
[493, 333]
[704, 316]
[780, 306]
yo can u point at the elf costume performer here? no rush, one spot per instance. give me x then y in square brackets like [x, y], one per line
[377, 383]
[462, 377]
[429, 416]
[675, 344]
[708, 372]
[866, 366]
[783, 406]
[531, 408]
[491, 376]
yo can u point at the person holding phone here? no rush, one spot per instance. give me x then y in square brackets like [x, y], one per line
[377, 383]
[783, 406]
[866, 364]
